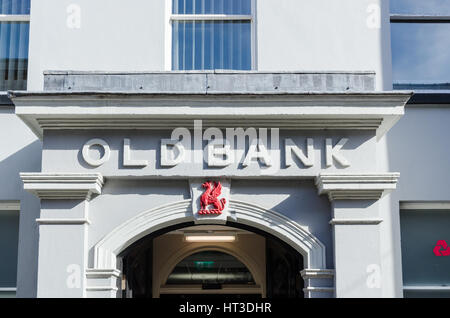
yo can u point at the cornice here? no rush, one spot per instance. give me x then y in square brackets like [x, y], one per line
[286, 110]
[102, 273]
[52, 186]
[363, 186]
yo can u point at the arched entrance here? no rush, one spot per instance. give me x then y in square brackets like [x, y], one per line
[107, 252]
[210, 260]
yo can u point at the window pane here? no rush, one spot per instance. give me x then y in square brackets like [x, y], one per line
[426, 294]
[210, 267]
[9, 235]
[211, 7]
[420, 232]
[205, 45]
[14, 6]
[426, 7]
[13, 55]
[420, 52]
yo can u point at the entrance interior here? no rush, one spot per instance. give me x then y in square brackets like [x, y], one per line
[211, 260]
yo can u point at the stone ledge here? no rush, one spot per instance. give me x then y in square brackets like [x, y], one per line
[317, 273]
[377, 111]
[355, 221]
[210, 81]
[369, 186]
[102, 273]
[66, 186]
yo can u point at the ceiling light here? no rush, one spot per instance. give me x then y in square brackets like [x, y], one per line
[209, 238]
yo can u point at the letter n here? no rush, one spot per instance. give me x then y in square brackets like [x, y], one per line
[291, 148]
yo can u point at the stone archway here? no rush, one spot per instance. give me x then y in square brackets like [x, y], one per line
[107, 249]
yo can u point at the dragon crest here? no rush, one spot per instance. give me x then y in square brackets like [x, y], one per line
[211, 197]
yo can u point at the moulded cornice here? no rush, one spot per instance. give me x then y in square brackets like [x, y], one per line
[63, 185]
[102, 273]
[285, 110]
[363, 186]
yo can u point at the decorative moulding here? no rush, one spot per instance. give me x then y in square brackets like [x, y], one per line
[363, 186]
[63, 221]
[102, 282]
[355, 221]
[317, 273]
[53, 186]
[318, 282]
[102, 273]
[199, 189]
[377, 111]
[312, 249]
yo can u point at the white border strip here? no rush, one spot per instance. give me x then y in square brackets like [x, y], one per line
[101, 288]
[168, 36]
[8, 289]
[63, 221]
[9, 205]
[425, 205]
[319, 289]
[355, 221]
[14, 18]
[426, 287]
[209, 17]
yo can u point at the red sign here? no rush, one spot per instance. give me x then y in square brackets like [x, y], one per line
[441, 248]
[211, 197]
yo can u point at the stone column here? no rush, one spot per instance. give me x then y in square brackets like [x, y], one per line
[63, 230]
[356, 231]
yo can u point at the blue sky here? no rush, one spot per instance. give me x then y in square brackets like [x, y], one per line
[421, 52]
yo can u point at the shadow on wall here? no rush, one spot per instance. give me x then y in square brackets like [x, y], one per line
[146, 187]
[418, 148]
[27, 159]
[296, 199]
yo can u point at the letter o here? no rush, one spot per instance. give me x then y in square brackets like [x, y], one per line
[96, 142]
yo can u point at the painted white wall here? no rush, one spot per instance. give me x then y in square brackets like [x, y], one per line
[113, 35]
[325, 35]
[292, 35]
[20, 151]
[417, 147]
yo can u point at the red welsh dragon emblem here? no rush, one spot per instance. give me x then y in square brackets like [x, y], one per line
[211, 197]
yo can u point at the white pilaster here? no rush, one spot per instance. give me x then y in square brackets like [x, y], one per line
[356, 230]
[63, 230]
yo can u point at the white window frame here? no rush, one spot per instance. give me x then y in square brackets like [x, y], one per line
[9, 206]
[432, 206]
[14, 18]
[169, 18]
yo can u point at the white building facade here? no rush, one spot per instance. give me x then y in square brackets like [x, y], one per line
[230, 147]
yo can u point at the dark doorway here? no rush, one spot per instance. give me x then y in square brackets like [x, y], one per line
[283, 266]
